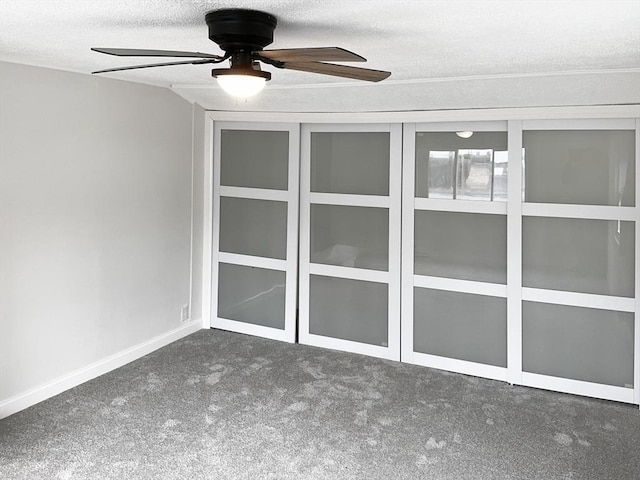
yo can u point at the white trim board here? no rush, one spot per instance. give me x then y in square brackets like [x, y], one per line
[50, 389]
[463, 116]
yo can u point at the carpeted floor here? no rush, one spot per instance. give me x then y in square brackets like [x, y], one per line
[219, 405]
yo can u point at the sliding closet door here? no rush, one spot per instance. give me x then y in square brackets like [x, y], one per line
[255, 229]
[454, 305]
[579, 265]
[350, 238]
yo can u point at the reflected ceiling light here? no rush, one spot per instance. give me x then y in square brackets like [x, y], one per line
[240, 82]
[465, 134]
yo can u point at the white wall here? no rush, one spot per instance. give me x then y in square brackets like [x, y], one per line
[95, 220]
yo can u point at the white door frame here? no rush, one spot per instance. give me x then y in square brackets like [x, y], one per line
[391, 277]
[290, 264]
[410, 205]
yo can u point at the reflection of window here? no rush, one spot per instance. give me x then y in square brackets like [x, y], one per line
[470, 174]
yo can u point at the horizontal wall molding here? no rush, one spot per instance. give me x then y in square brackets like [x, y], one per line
[494, 126]
[82, 375]
[582, 124]
[462, 115]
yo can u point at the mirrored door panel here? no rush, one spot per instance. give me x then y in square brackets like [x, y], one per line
[254, 158]
[451, 166]
[350, 236]
[579, 255]
[350, 162]
[586, 344]
[349, 310]
[255, 212]
[588, 167]
[460, 326]
[466, 246]
[253, 227]
[251, 295]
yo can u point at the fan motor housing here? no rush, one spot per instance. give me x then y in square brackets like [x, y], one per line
[236, 29]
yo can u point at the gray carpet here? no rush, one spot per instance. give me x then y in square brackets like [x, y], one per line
[219, 405]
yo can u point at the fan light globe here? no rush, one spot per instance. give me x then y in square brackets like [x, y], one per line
[241, 86]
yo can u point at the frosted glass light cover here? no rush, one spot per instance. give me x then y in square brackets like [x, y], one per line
[466, 246]
[350, 162]
[590, 167]
[461, 326]
[251, 295]
[255, 159]
[350, 236]
[241, 86]
[348, 309]
[578, 255]
[578, 343]
[253, 227]
[474, 168]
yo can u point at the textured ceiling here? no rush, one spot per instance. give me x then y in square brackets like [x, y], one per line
[418, 41]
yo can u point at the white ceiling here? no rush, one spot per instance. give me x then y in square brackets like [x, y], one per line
[442, 54]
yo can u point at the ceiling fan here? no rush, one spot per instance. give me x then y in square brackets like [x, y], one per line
[242, 35]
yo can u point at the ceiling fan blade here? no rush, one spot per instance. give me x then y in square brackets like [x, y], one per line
[321, 54]
[137, 52]
[356, 73]
[133, 67]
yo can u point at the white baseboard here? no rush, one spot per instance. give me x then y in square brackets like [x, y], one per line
[73, 379]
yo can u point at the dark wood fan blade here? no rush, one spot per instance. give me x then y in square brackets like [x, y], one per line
[136, 52]
[322, 54]
[356, 73]
[133, 67]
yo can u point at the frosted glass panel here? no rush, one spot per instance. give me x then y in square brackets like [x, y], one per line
[467, 246]
[461, 326]
[253, 227]
[474, 168]
[348, 309]
[350, 236]
[576, 255]
[578, 343]
[350, 162]
[251, 295]
[256, 159]
[594, 167]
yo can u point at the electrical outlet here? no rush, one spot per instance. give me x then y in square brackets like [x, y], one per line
[184, 315]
